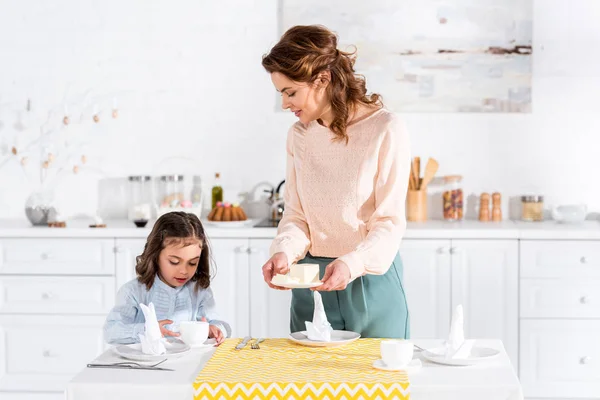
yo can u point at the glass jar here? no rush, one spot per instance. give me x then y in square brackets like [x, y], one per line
[196, 195]
[171, 189]
[532, 208]
[453, 198]
[140, 198]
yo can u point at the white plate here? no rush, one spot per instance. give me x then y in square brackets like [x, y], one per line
[134, 351]
[413, 366]
[338, 338]
[295, 285]
[208, 343]
[230, 224]
[478, 355]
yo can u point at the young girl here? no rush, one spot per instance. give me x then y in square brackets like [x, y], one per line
[173, 272]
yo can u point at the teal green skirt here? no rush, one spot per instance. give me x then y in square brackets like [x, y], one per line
[372, 305]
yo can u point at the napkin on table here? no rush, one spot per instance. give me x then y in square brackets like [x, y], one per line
[319, 329]
[456, 345]
[151, 340]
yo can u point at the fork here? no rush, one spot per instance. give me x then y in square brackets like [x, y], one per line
[255, 346]
[134, 363]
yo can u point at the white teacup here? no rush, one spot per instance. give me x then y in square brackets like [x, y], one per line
[193, 333]
[396, 353]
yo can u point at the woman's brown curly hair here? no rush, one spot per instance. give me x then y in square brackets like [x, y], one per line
[303, 52]
[174, 227]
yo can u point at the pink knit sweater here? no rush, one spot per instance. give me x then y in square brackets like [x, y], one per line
[343, 200]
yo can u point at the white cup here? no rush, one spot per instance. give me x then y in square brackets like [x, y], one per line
[396, 353]
[193, 333]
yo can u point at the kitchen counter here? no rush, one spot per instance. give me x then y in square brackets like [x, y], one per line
[548, 230]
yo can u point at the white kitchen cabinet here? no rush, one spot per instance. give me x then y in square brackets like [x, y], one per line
[127, 250]
[269, 308]
[42, 353]
[560, 358]
[231, 285]
[482, 275]
[485, 280]
[427, 272]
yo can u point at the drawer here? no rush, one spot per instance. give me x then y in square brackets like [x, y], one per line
[57, 256]
[560, 298]
[560, 259]
[43, 353]
[560, 358]
[31, 396]
[56, 294]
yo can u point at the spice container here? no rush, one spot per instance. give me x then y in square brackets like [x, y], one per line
[532, 208]
[453, 198]
[140, 199]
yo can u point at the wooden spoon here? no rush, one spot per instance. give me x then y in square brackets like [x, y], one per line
[430, 171]
[416, 171]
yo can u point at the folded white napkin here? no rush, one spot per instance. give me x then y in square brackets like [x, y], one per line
[456, 345]
[319, 329]
[151, 340]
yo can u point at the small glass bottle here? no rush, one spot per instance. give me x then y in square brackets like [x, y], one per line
[217, 191]
[453, 198]
[140, 200]
[532, 208]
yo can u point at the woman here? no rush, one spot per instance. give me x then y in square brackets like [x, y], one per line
[348, 163]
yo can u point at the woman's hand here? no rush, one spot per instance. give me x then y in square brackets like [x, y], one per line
[336, 277]
[278, 264]
[164, 331]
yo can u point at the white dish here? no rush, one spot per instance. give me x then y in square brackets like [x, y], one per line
[412, 366]
[296, 285]
[209, 343]
[478, 355]
[338, 338]
[230, 224]
[134, 351]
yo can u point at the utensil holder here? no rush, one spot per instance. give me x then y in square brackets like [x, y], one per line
[416, 205]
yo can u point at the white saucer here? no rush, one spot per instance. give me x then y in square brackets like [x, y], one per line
[413, 366]
[338, 338]
[294, 285]
[478, 355]
[207, 344]
[134, 351]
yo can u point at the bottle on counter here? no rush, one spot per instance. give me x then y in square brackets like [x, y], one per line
[217, 191]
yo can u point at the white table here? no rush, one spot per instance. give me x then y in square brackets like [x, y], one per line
[495, 380]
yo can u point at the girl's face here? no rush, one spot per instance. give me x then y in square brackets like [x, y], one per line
[308, 101]
[178, 262]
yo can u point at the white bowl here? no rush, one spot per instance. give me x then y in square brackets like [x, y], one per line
[570, 213]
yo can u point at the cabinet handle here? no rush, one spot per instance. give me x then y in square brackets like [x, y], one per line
[46, 256]
[48, 354]
[242, 249]
[585, 360]
[583, 260]
[453, 250]
[443, 250]
[118, 249]
[47, 296]
[584, 300]
[252, 250]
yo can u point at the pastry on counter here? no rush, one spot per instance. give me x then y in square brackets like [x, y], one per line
[226, 212]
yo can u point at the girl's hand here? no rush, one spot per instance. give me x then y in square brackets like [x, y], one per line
[278, 264]
[164, 331]
[216, 333]
[337, 276]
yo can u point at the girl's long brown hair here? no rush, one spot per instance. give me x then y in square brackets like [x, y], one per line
[174, 227]
[303, 52]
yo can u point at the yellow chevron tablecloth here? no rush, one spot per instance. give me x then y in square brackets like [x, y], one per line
[281, 369]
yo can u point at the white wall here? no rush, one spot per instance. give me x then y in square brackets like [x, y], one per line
[197, 89]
